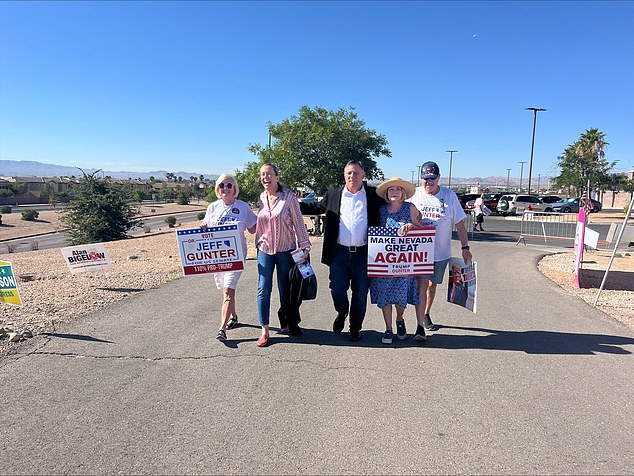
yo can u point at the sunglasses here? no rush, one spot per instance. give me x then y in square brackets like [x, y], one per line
[429, 179]
[228, 186]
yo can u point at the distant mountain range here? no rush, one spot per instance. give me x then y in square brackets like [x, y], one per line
[26, 168]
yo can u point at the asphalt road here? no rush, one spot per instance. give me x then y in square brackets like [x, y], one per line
[537, 382]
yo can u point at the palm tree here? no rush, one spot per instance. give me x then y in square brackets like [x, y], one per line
[590, 148]
[591, 144]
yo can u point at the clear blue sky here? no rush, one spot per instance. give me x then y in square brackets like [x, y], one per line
[141, 86]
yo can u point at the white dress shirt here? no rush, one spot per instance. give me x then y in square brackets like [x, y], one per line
[353, 218]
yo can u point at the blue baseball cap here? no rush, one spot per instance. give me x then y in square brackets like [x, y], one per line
[429, 170]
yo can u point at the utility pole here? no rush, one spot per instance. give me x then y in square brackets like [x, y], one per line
[539, 176]
[530, 167]
[521, 174]
[508, 180]
[450, 161]
[413, 177]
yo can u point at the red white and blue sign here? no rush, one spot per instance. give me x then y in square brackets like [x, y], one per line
[215, 249]
[392, 255]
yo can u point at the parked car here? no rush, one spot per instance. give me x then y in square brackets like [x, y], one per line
[515, 204]
[464, 198]
[549, 198]
[571, 205]
[490, 200]
[307, 197]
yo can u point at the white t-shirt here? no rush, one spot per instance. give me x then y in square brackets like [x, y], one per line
[238, 213]
[442, 211]
[478, 206]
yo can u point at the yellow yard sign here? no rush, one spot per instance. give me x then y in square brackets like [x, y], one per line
[8, 285]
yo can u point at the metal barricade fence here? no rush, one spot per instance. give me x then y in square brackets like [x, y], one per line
[556, 226]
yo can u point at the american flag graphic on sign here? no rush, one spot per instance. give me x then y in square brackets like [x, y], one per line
[391, 255]
[585, 203]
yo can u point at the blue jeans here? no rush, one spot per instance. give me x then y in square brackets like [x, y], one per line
[266, 266]
[350, 270]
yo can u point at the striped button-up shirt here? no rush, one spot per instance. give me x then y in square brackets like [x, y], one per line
[280, 224]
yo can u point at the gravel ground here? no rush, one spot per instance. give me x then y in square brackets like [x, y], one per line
[51, 295]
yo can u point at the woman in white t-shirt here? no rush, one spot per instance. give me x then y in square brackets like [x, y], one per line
[479, 213]
[229, 210]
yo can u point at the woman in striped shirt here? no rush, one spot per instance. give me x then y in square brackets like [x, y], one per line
[280, 230]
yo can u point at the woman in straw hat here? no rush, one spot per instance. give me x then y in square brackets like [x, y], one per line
[402, 290]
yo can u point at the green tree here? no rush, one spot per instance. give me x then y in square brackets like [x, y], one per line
[249, 182]
[183, 198]
[101, 211]
[138, 195]
[585, 161]
[312, 148]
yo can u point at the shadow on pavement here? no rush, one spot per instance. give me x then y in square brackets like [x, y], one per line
[529, 342]
[532, 342]
[76, 337]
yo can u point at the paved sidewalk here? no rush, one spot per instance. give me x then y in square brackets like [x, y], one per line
[537, 382]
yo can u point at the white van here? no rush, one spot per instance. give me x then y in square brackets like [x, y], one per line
[516, 204]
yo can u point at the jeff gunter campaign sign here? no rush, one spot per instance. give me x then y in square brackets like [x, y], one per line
[215, 249]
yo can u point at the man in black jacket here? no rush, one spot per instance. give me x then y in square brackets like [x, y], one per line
[349, 210]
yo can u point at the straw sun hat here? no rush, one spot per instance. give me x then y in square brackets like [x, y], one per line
[409, 189]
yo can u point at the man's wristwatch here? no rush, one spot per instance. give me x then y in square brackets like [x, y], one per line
[466, 248]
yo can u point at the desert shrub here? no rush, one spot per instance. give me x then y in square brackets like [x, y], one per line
[183, 199]
[200, 215]
[30, 215]
[5, 209]
[171, 221]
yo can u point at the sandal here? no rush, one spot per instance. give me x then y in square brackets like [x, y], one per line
[221, 335]
[232, 322]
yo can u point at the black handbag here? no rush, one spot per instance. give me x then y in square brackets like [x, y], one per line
[309, 288]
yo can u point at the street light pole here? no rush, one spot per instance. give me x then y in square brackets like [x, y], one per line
[530, 167]
[539, 176]
[508, 180]
[521, 174]
[450, 161]
[413, 177]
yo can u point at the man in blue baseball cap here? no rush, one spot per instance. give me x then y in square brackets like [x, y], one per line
[440, 208]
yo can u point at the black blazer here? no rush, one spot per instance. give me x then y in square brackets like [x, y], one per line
[329, 206]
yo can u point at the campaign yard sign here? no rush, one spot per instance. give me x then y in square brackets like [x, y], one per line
[86, 258]
[8, 285]
[391, 255]
[463, 284]
[214, 249]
